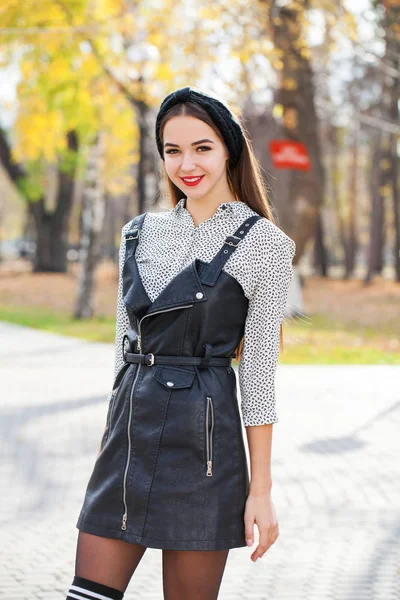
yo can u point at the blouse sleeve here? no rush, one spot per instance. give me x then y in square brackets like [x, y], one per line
[122, 320]
[266, 309]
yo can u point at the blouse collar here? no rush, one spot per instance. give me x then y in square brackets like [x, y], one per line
[233, 207]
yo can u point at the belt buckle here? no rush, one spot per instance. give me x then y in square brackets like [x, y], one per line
[231, 243]
[151, 359]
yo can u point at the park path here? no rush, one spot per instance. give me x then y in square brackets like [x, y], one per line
[336, 473]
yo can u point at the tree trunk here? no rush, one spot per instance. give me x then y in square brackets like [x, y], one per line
[51, 231]
[387, 160]
[93, 213]
[320, 254]
[146, 182]
[374, 260]
[396, 206]
[352, 200]
[335, 177]
[394, 160]
[141, 167]
[296, 95]
[51, 227]
[110, 227]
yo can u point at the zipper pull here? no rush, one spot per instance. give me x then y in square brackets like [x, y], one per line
[124, 518]
[209, 468]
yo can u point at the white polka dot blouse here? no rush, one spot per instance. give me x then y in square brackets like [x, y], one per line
[262, 264]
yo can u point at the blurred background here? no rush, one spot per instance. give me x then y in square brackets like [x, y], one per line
[317, 83]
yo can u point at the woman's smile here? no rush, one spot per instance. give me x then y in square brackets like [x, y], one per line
[191, 181]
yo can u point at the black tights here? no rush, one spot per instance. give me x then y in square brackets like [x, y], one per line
[187, 574]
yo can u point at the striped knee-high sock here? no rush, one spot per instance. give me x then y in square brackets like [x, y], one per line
[85, 589]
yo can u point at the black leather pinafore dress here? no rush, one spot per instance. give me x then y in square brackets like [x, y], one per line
[172, 471]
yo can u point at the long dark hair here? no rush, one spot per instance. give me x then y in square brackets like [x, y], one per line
[245, 180]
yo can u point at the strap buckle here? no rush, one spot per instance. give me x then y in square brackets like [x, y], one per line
[150, 358]
[132, 235]
[231, 243]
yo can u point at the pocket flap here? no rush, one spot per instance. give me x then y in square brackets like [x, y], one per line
[174, 377]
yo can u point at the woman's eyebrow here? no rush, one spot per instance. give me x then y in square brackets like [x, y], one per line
[193, 144]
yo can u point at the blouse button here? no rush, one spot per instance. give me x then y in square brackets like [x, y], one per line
[199, 295]
[170, 383]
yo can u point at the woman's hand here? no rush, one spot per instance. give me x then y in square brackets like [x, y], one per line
[261, 511]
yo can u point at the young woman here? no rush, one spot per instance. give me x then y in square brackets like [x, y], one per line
[199, 284]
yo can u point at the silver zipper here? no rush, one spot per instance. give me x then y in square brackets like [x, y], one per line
[139, 344]
[209, 435]
[125, 515]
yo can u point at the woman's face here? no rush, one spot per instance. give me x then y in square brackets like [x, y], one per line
[194, 156]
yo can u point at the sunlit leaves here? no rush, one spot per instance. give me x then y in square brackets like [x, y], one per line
[63, 84]
[39, 134]
[73, 54]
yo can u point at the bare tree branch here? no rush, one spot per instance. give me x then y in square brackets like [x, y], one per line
[14, 170]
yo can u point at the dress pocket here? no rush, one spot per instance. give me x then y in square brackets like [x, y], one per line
[174, 377]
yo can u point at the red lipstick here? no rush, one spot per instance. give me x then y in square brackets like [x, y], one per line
[191, 181]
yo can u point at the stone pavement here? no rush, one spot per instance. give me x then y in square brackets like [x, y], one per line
[336, 474]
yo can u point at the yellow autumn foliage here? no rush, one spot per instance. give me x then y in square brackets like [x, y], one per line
[39, 134]
[84, 65]
[64, 86]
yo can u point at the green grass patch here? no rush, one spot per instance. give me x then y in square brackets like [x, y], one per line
[317, 354]
[319, 339]
[98, 329]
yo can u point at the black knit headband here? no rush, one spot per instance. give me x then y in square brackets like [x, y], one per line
[224, 119]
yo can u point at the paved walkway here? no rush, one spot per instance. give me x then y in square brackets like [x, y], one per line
[336, 473]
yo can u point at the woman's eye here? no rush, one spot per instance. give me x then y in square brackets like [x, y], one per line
[173, 150]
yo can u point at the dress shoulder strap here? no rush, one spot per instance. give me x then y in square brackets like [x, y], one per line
[132, 235]
[210, 273]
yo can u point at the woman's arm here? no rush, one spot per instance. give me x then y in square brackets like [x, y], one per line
[122, 320]
[267, 303]
[259, 439]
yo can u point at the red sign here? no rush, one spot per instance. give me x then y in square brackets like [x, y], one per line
[289, 155]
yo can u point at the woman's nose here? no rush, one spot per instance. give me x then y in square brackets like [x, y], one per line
[188, 163]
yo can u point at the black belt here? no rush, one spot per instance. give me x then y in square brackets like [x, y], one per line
[159, 359]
